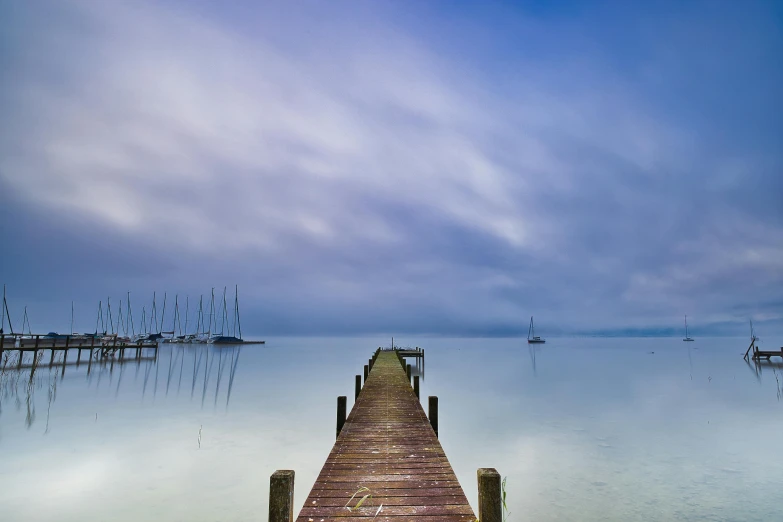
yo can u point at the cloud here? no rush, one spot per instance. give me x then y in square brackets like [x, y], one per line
[337, 164]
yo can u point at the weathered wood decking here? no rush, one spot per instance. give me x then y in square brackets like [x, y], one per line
[387, 446]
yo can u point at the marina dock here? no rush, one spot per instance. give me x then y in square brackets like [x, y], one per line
[95, 346]
[387, 464]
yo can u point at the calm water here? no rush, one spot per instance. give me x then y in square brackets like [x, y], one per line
[584, 429]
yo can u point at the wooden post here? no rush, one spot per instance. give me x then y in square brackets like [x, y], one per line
[92, 342]
[369, 365]
[67, 343]
[341, 408]
[281, 496]
[416, 385]
[36, 341]
[433, 413]
[366, 373]
[490, 503]
[408, 372]
[51, 359]
[78, 357]
[358, 386]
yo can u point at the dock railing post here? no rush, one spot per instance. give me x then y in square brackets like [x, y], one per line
[366, 373]
[369, 365]
[342, 401]
[281, 496]
[358, 386]
[490, 502]
[433, 413]
[416, 385]
[408, 372]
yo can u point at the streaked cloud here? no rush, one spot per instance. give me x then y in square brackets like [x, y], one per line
[353, 171]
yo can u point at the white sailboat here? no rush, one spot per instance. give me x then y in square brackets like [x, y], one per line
[687, 337]
[532, 338]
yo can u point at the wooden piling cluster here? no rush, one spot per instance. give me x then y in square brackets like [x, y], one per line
[387, 464]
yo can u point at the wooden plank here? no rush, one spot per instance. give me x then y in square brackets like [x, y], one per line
[400, 500]
[344, 494]
[388, 450]
[389, 511]
[382, 518]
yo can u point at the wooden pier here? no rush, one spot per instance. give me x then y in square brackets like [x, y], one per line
[387, 464]
[96, 347]
[757, 354]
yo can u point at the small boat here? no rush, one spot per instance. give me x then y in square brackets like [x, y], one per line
[532, 338]
[226, 339]
[687, 337]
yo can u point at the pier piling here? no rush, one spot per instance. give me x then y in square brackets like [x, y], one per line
[281, 496]
[358, 387]
[433, 413]
[490, 502]
[341, 409]
[416, 385]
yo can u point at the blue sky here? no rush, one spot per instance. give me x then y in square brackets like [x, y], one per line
[363, 167]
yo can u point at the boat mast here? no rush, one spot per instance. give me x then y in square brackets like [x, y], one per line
[71, 319]
[224, 315]
[176, 317]
[200, 316]
[130, 317]
[153, 315]
[26, 319]
[108, 305]
[99, 316]
[163, 313]
[236, 310]
[121, 321]
[211, 312]
[187, 303]
[530, 328]
[686, 326]
[6, 314]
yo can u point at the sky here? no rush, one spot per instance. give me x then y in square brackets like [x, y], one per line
[447, 168]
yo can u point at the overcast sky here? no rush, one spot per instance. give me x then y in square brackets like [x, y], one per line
[401, 167]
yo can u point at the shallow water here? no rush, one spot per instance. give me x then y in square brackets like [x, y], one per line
[584, 428]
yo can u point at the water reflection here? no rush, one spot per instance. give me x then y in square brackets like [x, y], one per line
[22, 374]
[584, 429]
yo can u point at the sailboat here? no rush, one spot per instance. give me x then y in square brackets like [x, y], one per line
[229, 339]
[532, 338]
[687, 337]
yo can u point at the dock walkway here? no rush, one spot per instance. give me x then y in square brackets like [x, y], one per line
[387, 446]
